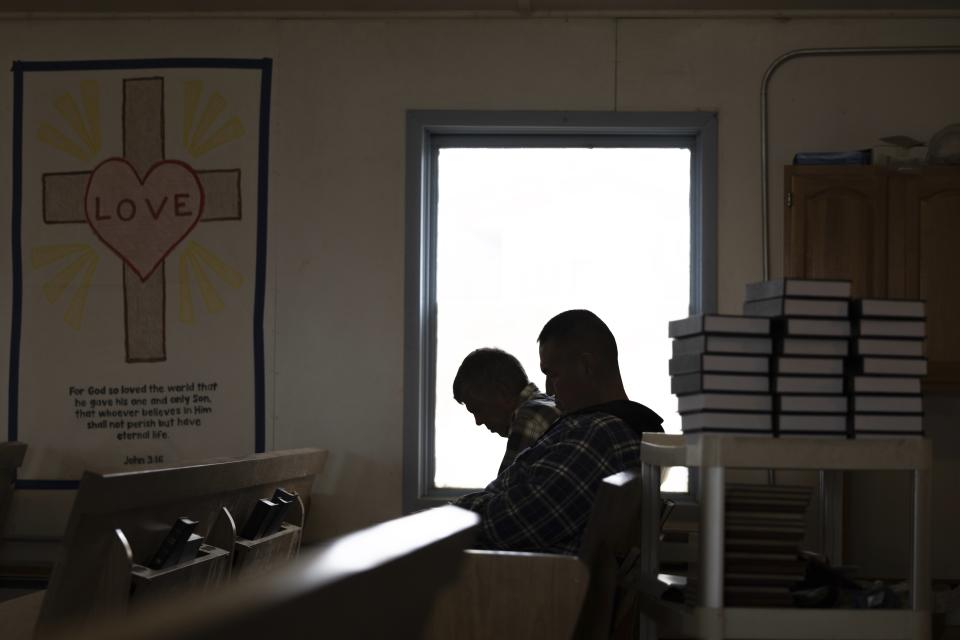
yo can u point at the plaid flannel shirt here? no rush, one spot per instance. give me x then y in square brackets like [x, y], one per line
[543, 500]
[536, 412]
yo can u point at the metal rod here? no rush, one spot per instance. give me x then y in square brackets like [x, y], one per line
[764, 125]
[711, 536]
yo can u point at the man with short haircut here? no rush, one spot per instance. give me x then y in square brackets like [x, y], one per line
[493, 386]
[543, 500]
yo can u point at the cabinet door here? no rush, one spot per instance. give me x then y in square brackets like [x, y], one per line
[924, 261]
[836, 226]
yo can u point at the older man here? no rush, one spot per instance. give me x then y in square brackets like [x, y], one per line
[542, 501]
[494, 388]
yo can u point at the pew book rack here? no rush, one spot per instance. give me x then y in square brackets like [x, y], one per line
[254, 556]
[119, 519]
[210, 568]
[713, 454]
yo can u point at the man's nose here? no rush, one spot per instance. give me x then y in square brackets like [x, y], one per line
[478, 421]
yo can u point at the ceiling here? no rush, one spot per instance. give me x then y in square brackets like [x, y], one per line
[519, 7]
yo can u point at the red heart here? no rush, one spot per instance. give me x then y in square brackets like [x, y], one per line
[143, 220]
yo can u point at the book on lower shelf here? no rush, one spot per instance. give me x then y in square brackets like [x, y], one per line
[764, 529]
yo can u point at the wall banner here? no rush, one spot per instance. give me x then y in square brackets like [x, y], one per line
[139, 242]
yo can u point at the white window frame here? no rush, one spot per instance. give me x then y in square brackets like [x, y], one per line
[427, 132]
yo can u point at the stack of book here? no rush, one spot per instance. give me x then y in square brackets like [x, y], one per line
[811, 330]
[887, 366]
[765, 527]
[720, 371]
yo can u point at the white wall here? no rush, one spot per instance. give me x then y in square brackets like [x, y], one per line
[336, 220]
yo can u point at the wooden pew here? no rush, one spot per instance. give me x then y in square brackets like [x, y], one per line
[504, 594]
[11, 457]
[374, 583]
[120, 519]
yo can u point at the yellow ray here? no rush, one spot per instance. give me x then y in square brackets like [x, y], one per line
[232, 130]
[67, 107]
[226, 273]
[78, 301]
[47, 255]
[48, 134]
[186, 297]
[90, 97]
[191, 100]
[215, 106]
[211, 299]
[54, 288]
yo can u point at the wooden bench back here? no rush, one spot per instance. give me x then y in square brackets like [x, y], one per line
[509, 594]
[11, 457]
[374, 583]
[610, 532]
[122, 517]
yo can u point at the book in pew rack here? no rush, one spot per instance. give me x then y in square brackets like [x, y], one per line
[174, 543]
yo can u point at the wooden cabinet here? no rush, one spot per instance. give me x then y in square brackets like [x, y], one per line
[836, 227]
[893, 234]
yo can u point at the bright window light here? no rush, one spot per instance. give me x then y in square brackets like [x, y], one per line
[525, 233]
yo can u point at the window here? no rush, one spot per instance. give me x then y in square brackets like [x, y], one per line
[513, 218]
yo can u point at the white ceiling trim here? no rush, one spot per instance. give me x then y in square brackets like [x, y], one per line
[740, 14]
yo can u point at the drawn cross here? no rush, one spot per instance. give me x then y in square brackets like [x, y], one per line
[144, 301]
